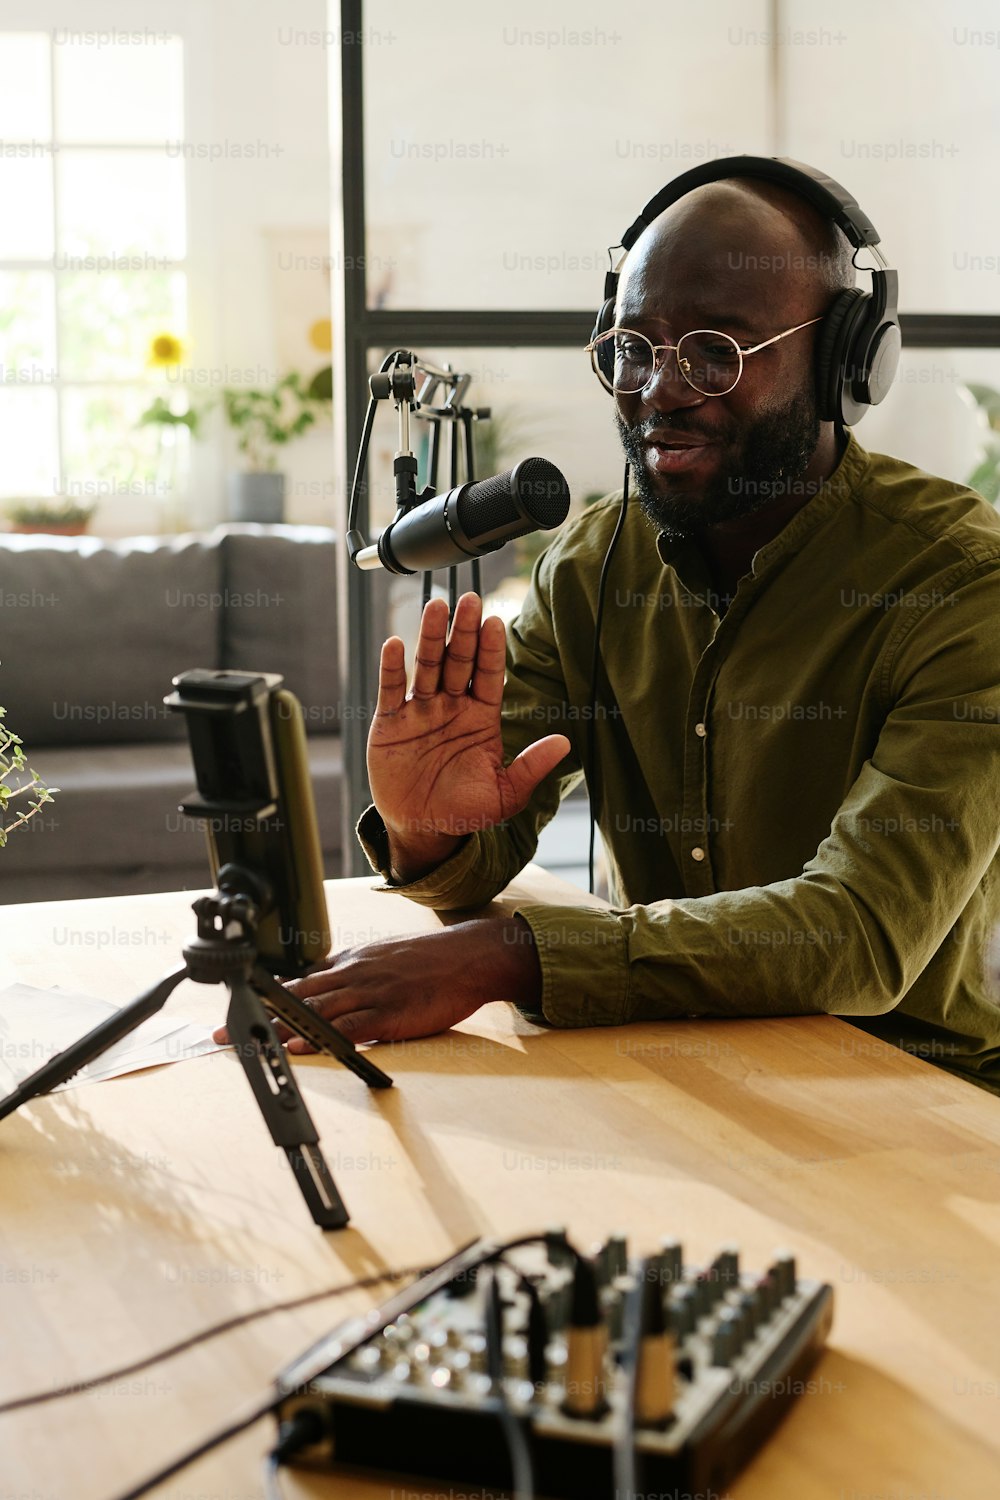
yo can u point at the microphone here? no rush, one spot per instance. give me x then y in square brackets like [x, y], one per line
[472, 520]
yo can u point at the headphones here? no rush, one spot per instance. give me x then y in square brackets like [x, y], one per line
[858, 343]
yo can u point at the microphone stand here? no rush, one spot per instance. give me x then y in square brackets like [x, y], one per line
[225, 952]
[396, 380]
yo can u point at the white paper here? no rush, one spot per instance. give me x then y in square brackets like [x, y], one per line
[36, 1023]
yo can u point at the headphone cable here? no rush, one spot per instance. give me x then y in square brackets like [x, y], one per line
[595, 665]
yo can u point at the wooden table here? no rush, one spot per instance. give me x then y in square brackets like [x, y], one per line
[140, 1210]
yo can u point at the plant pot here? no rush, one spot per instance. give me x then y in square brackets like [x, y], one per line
[256, 497]
[51, 528]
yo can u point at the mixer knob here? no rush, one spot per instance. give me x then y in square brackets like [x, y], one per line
[459, 1363]
[727, 1338]
[784, 1274]
[475, 1344]
[557, 1247]
[767, 1294]
[673, 1260]
[707, 1292]
[557, 1305]
[617, 1253]
[515, 1356]
[751, 1312]
[726, 1267]
[682, 1312]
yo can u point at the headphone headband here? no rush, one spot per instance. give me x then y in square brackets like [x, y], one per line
[829, 197]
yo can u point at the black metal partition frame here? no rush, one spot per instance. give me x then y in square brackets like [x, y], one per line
[360, 329]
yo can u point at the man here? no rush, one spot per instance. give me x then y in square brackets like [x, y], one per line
[797, 739]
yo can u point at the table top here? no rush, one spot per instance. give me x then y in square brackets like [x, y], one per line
[138, 1211]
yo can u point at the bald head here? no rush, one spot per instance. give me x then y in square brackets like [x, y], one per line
[744, 235]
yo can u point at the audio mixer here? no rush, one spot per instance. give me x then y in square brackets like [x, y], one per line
[534, 1367]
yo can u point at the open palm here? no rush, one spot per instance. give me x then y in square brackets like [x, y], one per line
[435, 756]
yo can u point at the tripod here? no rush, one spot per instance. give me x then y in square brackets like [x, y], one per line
[225, 952]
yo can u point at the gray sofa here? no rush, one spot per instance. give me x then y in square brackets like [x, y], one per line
[91, 633]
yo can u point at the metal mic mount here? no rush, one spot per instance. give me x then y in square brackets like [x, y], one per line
[397, 381]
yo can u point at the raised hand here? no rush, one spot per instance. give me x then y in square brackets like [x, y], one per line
[435, 755]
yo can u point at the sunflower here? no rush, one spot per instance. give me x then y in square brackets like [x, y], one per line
[165, 350]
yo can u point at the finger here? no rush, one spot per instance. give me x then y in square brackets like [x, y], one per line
[392, 677]
[430, 649]
[533, 765]
[308, 986]
[463, 642]
[221, 1035]
[356, 1026]
[491, 662]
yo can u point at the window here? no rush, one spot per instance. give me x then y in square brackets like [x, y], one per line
[92, 258]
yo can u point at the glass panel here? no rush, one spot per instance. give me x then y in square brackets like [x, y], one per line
[920, 152]
[27, 326]
[931, 418]
[502, 185]
[25, 87]
[26, 231]
[29, 462]
[122, 90]
[109, 318]
[106, 454]
[120, 206]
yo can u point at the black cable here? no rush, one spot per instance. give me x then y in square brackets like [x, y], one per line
[522, 1466]
[625, 1456]
[269, 1478]
[221, 1435]
[359, 467]
[290, 1440]
[304, 1428]
[79, 1386]
[592, 724]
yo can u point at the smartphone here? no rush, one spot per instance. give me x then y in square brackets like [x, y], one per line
[255, 799]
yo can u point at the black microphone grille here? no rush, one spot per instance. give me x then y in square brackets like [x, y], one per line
[540, 488]
[543, 491]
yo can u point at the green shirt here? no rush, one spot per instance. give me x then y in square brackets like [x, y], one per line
[800, 800]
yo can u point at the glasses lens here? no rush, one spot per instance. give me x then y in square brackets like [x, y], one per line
[709, 361]
[631, 358]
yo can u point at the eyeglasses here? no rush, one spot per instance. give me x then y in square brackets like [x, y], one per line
[625, 361]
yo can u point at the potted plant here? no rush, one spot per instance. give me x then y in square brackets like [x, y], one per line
[985, 477]
[265, 421]
[57, 516]
[14, 767]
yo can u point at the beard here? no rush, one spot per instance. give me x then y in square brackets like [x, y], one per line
[761, 464]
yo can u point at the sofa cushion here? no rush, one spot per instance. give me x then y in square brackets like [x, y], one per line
[91, 633]
[281, 612]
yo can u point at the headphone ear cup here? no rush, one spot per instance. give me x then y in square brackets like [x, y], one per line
[605, 355]
[832, 367]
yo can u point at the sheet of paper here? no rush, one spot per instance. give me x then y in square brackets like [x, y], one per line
[36, 1023]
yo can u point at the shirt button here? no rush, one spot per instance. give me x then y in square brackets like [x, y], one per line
[700, 731]
[697, 853]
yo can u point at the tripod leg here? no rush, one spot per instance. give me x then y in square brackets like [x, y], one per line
[304, 1022]
[266, 1065]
